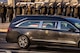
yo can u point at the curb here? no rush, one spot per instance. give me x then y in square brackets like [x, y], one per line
[3, 30]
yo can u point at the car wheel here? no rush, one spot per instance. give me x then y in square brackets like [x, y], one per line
[23, 41]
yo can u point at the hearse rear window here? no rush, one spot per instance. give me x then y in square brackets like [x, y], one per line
[29, 24]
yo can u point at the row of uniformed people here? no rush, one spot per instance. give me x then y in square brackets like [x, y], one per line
[6, 11]
[53, 8]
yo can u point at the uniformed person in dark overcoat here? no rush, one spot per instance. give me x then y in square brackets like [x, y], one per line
[24, 9]
[75, 10]
[63, 7]
[68, 9]
[33, 9]
[51, 9]
[18, 9]
[3, 12]
[29, 9]
[38, 9]
[55, 7]
[43, 9]
[10, 12]
[59, 9]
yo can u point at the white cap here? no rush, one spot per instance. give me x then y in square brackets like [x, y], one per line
[50, 4]
[67, 3]
[42, 4]
[58, 4]
[17, 3]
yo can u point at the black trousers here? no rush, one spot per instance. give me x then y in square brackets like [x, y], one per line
[3, 17]
[10, 17]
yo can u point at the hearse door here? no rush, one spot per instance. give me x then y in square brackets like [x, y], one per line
[48, 31]
[30, 28]
[67, 33]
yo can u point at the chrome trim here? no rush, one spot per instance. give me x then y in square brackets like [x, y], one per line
[58, 26]
[26, 21]
[19, 21]
[19, 24]
[56, 41]
[40, 25]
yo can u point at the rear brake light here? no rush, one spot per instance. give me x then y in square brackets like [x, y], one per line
[9, 29]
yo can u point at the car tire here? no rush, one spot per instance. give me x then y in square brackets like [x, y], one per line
[23, 42]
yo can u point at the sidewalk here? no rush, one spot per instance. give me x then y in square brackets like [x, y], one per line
[4, 27]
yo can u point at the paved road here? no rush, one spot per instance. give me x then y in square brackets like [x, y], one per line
[14, 48]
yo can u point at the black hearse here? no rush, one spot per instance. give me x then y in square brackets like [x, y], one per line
[44, 30]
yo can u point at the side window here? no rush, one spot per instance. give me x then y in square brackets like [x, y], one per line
[30, 24]
[66, 26]
[49, 25]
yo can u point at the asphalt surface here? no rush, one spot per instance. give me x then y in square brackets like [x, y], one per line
[14, 48]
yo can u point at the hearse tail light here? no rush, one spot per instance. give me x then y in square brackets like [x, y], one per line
[9, 29]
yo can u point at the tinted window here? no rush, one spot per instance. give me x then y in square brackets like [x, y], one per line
[49, 25]
[76, 22]
[30, 24]
[66, 26]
